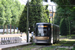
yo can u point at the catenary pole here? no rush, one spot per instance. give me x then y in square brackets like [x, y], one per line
[27, 20]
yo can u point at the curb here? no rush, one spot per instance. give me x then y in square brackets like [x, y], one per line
[4, 47]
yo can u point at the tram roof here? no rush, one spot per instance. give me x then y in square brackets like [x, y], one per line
[48, 23]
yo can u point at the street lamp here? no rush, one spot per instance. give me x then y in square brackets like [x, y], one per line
[51, 16]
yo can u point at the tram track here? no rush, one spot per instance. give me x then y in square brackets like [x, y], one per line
[47, 47]
[63, 44]
[55, 47]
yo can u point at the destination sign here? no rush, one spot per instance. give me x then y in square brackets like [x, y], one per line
[42, 26]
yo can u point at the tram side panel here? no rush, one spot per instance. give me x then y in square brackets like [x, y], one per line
[49, 33]
[57, 33]
[54, 33]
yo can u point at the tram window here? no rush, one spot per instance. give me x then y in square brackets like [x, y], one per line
[42, 32]
[45, 32]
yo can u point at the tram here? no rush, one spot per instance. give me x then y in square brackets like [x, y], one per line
[46, 33]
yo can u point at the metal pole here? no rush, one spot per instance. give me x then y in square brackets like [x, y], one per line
[52, 24]
[27, 21]
[49, 19]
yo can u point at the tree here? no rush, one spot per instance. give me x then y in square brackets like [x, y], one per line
[10, 12]
[5, 8]
[2, 14]
[17, 9]
[23, 20]
[45, 14]
[65, 9]
[40, 13]
[2, 18]
[37, 13]
[63, 27]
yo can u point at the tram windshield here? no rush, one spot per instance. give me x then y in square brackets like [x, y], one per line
[42, 31]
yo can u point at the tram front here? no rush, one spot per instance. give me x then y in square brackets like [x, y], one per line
[43, 33]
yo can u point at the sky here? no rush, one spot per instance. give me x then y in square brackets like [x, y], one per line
[44, 3]
[23, 2]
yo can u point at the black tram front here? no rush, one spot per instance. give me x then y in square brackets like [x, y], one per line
[43, 33]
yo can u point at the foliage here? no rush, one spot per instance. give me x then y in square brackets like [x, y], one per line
[1, 14]
[45, 0]
[63, 27]
[23, 20]
[10, 12]
[36, 13]
[45, 14]
[65, 9]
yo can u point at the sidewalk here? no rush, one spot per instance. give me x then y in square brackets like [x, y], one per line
[13, 45]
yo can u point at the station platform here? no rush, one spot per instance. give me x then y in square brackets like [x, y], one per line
[2, 47]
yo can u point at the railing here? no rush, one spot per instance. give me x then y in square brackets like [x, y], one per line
[9, 40]
[12, 38]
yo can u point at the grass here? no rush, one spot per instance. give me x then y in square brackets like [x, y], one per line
[48, 48]
[69, 43]
[71, 35]
[62, 36]
[68, 36]
[65, 43]
[73, 48]
[53, 48]
[62, 49]
[59, 43]
[22, 48]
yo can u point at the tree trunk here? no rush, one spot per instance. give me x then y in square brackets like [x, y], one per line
[3, 29]
[17, 30]
[7, 29]
[10, 28]
[14, 29]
